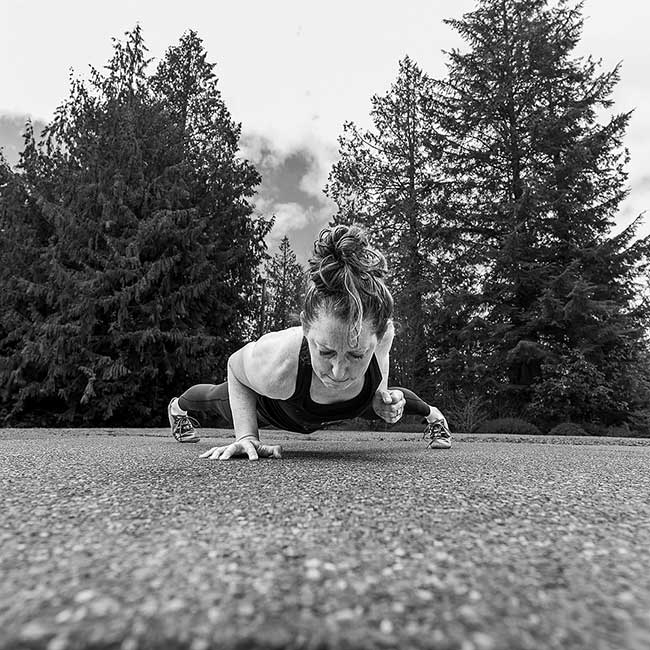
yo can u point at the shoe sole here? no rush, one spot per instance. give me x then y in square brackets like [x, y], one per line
[440, 444]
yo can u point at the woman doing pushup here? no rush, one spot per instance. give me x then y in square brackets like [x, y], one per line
[331, 368]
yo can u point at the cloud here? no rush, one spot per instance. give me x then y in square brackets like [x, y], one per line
[12, 128]
[304, 154]
[641, 184]
[290, 216]
[636, 203]
[301, 224]
[260, 150]
[314, 181]
[294, 173]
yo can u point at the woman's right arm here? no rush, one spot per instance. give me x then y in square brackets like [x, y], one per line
[243, 399]
[268, 367]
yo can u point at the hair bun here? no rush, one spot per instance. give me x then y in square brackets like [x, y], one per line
[343, 248]
[346, 276]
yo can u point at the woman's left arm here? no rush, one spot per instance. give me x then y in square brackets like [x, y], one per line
[388, 405]
[383, 354]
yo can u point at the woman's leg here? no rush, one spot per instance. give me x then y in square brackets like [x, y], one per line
[210, 398]
[414, 404]
[437, 429]
[207, 398]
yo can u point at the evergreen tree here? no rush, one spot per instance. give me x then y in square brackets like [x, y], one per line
[284, 287]
[388, 180]
[24, 268]
[153, 245]
[537, 181]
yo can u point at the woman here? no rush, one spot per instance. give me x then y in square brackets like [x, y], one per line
[333, 367]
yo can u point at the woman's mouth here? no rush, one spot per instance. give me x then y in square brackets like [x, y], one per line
[337, 381]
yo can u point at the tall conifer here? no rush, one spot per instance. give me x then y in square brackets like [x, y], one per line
[285, 288]
[538, 169]
[153, 244]
[388, 180]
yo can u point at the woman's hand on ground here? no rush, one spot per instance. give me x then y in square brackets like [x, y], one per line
[250, 447]
[389, 405]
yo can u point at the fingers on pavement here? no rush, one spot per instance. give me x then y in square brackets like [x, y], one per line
[250, 449]
[242, 447]
[212, 453]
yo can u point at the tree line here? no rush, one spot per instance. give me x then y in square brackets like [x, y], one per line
[133, 262]
[494, 192]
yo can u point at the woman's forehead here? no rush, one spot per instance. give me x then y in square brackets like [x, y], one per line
[330, 331]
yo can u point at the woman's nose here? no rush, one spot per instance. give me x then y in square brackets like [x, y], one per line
[339, 369]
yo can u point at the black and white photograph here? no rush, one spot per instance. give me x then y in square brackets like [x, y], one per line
[324, 326]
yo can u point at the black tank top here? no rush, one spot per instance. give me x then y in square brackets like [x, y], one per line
[301, 414]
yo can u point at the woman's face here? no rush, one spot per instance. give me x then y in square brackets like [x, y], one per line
[335, 362]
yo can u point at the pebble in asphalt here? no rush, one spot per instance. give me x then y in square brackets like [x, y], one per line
[132, 541]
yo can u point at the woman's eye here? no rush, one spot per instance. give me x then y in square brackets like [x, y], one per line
[357, 356]
[327, 354]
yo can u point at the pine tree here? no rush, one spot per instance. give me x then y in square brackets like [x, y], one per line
[285, 288]
[388, 180]
[537, 181]
[153, 245]
[24, 269]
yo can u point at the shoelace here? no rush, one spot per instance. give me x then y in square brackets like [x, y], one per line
[184, 423]
[435, 429]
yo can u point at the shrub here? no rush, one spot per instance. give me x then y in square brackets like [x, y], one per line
[640, 423]
[567, 429]
[573, 386]
[613, 431]
[465, 412]
[509, 425]
[594, 429]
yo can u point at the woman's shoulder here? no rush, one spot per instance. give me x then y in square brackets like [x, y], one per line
[272, 362]
[386, 342]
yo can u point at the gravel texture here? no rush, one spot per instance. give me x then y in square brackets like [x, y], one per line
[125, 539]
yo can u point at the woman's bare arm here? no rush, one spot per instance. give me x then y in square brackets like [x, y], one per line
[383, 354]
[388, 405]
[267, 367]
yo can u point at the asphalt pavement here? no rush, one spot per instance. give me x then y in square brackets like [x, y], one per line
[125, 539]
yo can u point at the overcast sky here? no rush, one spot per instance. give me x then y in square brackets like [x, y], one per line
[292, 71]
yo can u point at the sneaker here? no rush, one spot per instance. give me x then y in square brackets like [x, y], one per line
[182, 426]
[438, 434]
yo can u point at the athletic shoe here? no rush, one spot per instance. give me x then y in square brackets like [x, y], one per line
[182, 426]
[438, 434]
